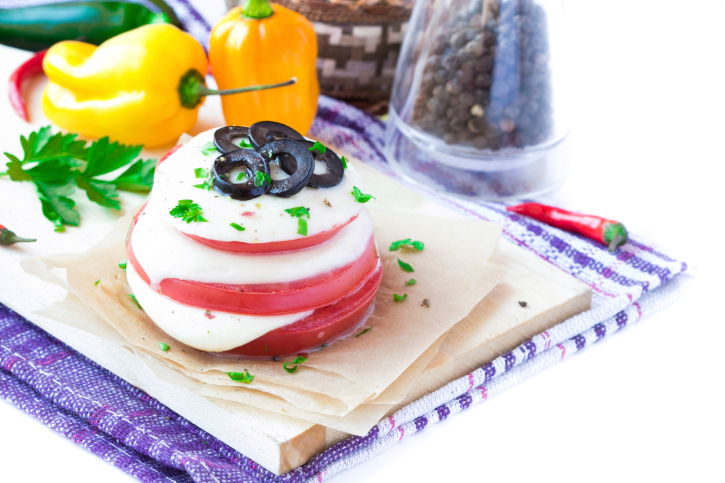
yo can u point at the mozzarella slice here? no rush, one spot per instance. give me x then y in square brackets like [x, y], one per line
[263, 218]
[163, 253]
[212, 331]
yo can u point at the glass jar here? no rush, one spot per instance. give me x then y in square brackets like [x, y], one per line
[479, 104]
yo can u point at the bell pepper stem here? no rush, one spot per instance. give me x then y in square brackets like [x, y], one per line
[257, 9]
[205, 91]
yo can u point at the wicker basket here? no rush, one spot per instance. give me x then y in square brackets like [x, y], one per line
[358, 45]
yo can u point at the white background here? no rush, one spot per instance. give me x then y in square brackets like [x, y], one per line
[643, 405]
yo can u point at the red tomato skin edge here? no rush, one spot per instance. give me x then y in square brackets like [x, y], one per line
[166, 156]
[265, 299]
[270, 247]
[326, 324]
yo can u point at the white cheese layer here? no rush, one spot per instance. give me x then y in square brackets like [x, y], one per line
[265, 219]
[212, 331]
[163, 253]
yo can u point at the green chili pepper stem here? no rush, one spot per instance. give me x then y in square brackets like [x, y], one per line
[257, 9]
[192, 88]
[615, 235]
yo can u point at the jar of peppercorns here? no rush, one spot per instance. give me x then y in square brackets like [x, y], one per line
[479, 106]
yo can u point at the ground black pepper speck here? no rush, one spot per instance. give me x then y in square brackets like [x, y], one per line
[488, 86]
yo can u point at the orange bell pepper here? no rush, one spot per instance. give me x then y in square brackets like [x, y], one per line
[262, 43]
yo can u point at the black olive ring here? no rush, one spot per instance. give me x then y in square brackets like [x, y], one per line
[304, 162]
[261, 133]
[240, 191]
[335, 170]
[224, 138]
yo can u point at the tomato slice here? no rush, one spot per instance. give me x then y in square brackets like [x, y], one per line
[270, 247]
[270, 298]
[325, 324]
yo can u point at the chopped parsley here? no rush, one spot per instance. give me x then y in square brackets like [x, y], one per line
[406, 267]
[244, 144]
[241, 175]
[97, 282]
[206, 150]
[323, 345]
[134, 299]
[318, 146]
[201, 172]
[188, 211]
[122, 265]
[360, 197]
[410, 282]
[206, 185]
[400, 298]
[261, 177]
[164, 346]
[236, 226]
[344, 162]
[300, 212]
[244, 377]
[365, 331]
[58, 164]
[298, 360]
[418, 245]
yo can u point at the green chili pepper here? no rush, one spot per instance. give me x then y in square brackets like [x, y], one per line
[40, 26]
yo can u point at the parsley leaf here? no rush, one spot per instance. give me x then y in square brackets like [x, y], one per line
[261, 177]
[410, 282]
[301, 226]
[97, 282]
[42, 146]
[244, 377]
[237, 227]
[365, 331]
[298, 360]
[300, 212]
[207, 149]
[105, 156]
[406, 267]
[241, 175]
[400, 298]
[122, 265]
[134, 299]
[318, 146]
[164, 346]
[188, 211]
[360, 197]
[201, 172]
[344, 162]
[418, 245]
[139, 177]
[206, 185]
[244, 144]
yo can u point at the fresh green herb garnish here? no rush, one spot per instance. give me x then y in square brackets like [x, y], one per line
[298, 360]
[300, 212]
[97, 282]
[206, 185]
[260, 178]
[237, 227]
[244, 377]
[418, 245]
[318, 146]
[59, 163]
[360, 197]
[188, 211]
[122, 265]
[245, 144]
[344, 162]
[400, 298]
[365, 331]
[134, 299]
[201, 172]
[406, 267]
[323, 345]
[410, 282]
[206, 150]
[241, 175]
[164, 346]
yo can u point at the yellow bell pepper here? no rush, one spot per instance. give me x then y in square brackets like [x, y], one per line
[144, 86]
[261, 43]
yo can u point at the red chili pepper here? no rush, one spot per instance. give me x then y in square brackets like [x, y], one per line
[610, 232]
[32, 66]
[7, 237]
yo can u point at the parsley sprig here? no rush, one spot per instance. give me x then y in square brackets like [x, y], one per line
[361, 197]
[405, 266]
[244, 377]
[59, 163]
[207, 149]
[298, 360]
[261, 177]
[188, 211]
[318, 146]
[300, 212]
[400, 298]
[418, 245]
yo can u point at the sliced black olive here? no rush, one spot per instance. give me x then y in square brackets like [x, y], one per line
[335, 170]
[224, 138]
[299, 177]
[261, 133]
[252, 161]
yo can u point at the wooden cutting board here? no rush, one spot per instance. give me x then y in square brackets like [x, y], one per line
[277, 442]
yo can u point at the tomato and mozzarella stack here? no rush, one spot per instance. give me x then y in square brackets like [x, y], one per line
[239, 278]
